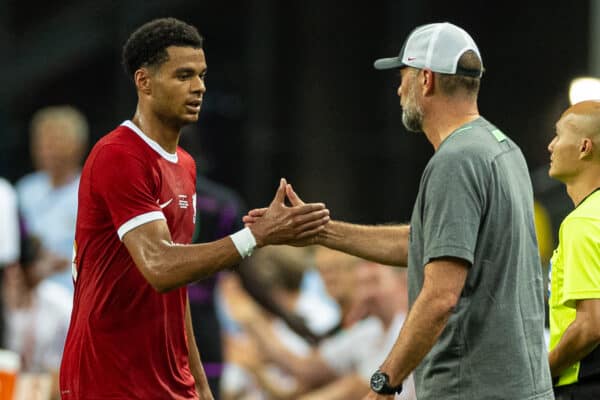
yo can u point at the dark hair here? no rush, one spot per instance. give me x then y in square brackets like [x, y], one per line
[450, 84]
[147, 46]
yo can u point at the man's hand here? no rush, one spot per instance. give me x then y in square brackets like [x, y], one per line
[280, 224]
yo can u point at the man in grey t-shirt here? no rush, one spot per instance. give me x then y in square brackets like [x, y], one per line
[475, 205]
[475, 327]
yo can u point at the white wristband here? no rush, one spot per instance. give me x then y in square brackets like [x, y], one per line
[244, 242]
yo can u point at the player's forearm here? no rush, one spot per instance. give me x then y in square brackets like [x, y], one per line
[576, 343]
[384, 244]
[167, 266]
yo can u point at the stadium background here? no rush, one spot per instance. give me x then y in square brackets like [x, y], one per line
[291, 88]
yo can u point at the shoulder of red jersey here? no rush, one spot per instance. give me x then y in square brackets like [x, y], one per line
[186, 159]
[121, 136]
[128, 139]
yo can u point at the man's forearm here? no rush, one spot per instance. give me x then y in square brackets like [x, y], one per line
[574, 345]
[384, 244]
[442, 285]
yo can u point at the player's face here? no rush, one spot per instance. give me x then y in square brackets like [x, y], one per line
[565, 150]
[178, 85]
[412, 113]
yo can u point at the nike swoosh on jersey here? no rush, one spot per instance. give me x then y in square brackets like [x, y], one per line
[166, 203]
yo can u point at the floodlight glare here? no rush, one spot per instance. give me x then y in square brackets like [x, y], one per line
[585, 88]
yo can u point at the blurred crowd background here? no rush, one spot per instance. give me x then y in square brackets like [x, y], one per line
[291, 93]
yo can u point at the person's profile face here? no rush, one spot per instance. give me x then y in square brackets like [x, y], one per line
[178, 85]
[564, 149]
[412, 113]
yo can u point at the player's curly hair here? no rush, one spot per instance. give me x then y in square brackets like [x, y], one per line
[147, 46]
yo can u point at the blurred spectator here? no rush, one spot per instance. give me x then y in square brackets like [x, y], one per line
[37, 312]
[48, 197]
[9, 234]
[382, 292]
[309, 367]
[280, 272]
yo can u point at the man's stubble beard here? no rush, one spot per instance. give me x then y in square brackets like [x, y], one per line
[412, 113]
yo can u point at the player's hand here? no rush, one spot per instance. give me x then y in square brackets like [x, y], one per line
[253, 216]
[280, 224]
[296, 201]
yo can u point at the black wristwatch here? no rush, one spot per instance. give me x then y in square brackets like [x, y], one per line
[380, 383]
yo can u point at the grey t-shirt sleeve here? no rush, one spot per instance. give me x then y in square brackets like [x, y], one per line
[453, 206]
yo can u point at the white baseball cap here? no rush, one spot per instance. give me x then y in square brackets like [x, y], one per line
[436, 47]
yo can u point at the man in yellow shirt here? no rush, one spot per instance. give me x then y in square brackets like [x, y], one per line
[575, 278]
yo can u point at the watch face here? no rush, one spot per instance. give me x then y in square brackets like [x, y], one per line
[378, 381]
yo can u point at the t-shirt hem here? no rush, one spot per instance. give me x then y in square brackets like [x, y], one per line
[582, 294]
[450, 251]
[547, 395]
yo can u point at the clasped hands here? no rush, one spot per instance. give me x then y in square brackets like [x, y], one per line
[298, 224]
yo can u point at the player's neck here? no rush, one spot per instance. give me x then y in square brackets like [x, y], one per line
[163, 133]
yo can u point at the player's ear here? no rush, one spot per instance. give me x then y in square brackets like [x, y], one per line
[142, 79]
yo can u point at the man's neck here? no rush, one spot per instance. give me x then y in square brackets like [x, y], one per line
[446, 116]
[582, 187]
[166, 135]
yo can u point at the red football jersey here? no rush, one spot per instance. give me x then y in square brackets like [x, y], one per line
[126, 340]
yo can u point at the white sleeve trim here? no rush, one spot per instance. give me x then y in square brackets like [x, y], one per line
[139, 220]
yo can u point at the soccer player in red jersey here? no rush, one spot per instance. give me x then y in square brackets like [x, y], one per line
[131, 334]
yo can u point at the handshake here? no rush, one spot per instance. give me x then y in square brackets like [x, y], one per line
[298, 225]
